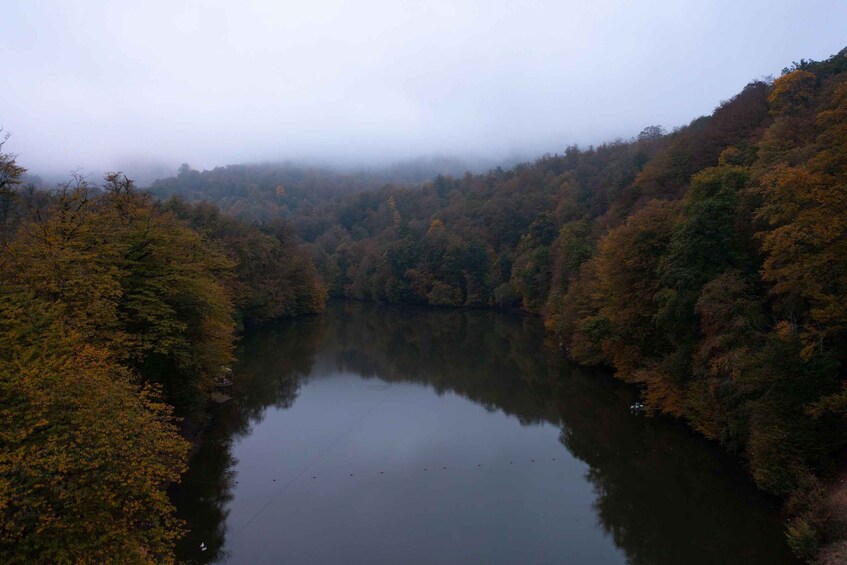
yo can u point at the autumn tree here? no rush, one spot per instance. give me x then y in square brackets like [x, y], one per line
[805, 239]
[86, 451]
[85, 448]
[792, 92]
[10, 171]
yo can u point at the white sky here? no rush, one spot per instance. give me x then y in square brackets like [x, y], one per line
[102, 85]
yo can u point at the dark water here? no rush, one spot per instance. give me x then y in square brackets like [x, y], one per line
[387, 435]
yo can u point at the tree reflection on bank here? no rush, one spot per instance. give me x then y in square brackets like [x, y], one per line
[664, 495]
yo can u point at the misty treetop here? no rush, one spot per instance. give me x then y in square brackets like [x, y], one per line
[268, 191]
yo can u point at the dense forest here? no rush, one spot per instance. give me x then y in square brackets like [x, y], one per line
[117, 314]
[268, 191]
[707, 265]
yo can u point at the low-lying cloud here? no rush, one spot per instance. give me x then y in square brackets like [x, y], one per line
[105, 85]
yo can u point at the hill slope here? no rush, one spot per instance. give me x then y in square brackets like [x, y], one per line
[708, 266]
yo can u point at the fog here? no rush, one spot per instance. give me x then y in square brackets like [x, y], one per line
[145, 86]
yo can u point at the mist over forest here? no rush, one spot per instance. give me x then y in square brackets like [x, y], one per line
[100, 87]
[663, 192]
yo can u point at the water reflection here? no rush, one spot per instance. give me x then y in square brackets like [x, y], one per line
[645, 489]
[272, 366]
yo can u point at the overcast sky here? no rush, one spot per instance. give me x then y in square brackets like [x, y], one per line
[102, 85]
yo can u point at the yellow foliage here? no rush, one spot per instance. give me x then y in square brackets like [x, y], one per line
[792, 92]
[88, 287]
[435, 228]
[805, 207]
[85, 456]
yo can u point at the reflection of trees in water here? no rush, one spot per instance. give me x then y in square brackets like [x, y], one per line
[202, 499]
[495, 360]
[665, 496]
[272, 366]
[662, 495]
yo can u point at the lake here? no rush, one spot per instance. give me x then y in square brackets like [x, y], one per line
[378, 434]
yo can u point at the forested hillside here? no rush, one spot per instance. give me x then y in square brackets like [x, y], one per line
[117, 312]
[707, 265]
[509, 237]
[269, 191]
[722, 290]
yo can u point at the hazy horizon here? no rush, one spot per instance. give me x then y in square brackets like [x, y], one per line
[98, 86]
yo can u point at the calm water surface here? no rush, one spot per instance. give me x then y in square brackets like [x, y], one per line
[380, 434]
